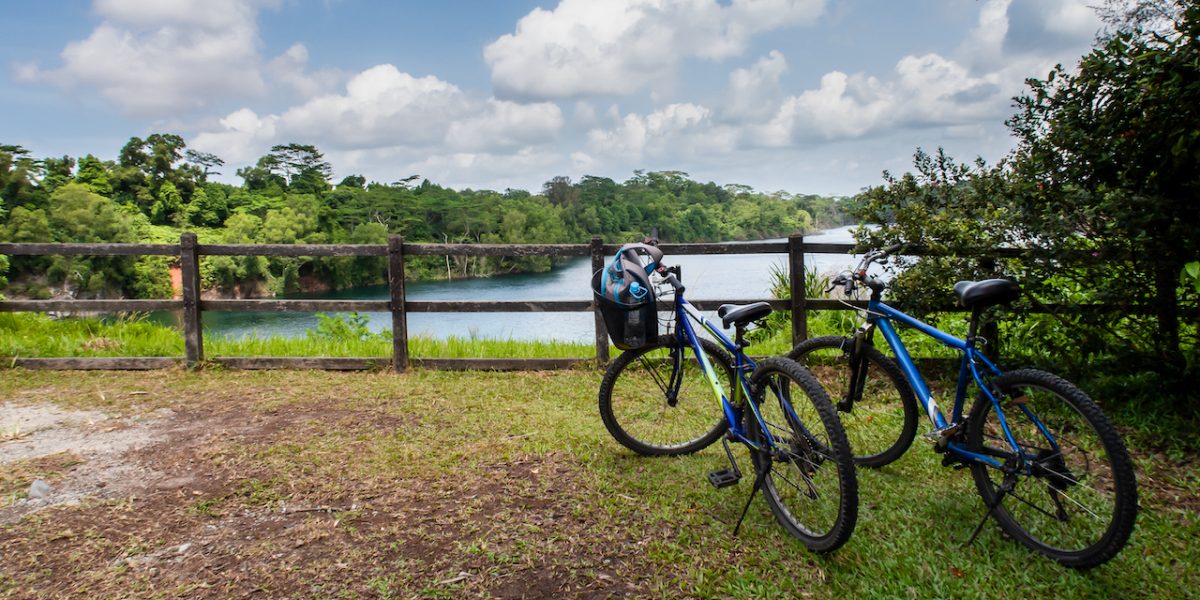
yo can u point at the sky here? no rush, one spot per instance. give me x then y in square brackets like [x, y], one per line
[804, 96]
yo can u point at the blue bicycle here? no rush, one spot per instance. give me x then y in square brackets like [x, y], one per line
[1050, 467]
[655, 399]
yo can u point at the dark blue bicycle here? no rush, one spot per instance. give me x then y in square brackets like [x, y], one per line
[1050, 467]
[655, 399]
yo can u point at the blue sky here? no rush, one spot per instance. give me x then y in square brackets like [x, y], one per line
[808, 96]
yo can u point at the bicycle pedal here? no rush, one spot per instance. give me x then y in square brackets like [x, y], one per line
[949, 460]
[724, 478]
[943, 432]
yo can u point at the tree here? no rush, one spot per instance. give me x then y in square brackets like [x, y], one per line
[77, 214]
[560, 192]
[3, 258]
[1109, 162]
[205, 161]
[94, 175]
[168, 207]
[57, 172]
[28, 226]
[1103, 186]
[302, 167]
[263, 177]
[17, 176]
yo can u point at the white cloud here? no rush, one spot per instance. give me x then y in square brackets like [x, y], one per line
[755, 92]
[169, 57]
[663, 129]
[205, 14]
[954, 94]
[243, 137]
[585, 47]
[1037, 26]
[156, 59]
[389, 115]
[291, 69]
[506, 123]
[922, 91]
[382, 106]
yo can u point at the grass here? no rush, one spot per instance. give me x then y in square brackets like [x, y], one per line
[512, 479]
[37, 335]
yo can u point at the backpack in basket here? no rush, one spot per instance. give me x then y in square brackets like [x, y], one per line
[625, 297]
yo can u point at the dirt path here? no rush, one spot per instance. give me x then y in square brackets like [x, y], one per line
[212, 501]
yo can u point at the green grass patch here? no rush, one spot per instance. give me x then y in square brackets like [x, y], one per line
[38, 335]
[511, 478]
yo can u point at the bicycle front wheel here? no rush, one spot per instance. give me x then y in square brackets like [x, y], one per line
[657, 400]
[1071, 494]
[803, 457]
[881, 421]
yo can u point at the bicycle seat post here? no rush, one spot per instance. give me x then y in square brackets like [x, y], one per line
[740, 336]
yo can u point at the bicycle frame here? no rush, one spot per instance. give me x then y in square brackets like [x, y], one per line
[974, 366]
[686, 313]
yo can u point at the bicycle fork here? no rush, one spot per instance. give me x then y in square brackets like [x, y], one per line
[858, 367]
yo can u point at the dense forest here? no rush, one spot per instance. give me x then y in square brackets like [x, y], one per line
[157, 187]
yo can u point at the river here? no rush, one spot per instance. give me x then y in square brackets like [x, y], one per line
[712, 276]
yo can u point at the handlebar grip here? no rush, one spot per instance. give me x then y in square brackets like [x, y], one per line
[675, 283]
[891, 249]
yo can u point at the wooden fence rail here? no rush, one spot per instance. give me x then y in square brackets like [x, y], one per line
[190, 253]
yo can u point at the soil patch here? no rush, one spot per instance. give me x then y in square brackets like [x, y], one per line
[205, 501]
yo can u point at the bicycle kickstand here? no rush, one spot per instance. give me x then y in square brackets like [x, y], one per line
[758, 482]
[1005, 488]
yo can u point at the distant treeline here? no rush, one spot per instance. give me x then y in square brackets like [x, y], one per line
[157, 187]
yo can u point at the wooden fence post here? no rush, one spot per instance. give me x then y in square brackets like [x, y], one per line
[597, 251]
[796, 282]
[189, 267]
[399, 311]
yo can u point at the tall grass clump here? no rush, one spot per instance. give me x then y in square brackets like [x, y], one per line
[126, 334]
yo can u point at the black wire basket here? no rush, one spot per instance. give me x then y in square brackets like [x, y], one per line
[630, 325]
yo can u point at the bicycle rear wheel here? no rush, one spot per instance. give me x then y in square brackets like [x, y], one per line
[807, 470]
[1074, 496]
[882, 421]
[640, 410]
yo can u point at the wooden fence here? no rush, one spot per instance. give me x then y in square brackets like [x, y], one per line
[190, 252]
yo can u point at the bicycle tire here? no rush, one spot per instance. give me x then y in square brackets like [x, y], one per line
[1093, 475]
[634, 406]
[799, 502]
[882, 424]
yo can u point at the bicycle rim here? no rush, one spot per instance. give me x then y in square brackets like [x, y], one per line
[810, 484]
[882, 421]
[1077, 499]
[639, 411]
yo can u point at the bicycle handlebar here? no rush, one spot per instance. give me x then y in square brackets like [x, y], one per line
[671, 276]
[848, 279]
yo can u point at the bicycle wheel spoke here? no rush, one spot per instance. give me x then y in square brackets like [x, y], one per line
[654, 374]
[880, 418]
[1031, 505]
[1081, 498]
[635, 394]
[812, 488]
[1077, 503]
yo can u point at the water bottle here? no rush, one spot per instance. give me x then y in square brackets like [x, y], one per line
[635, 330]
[637, 291]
